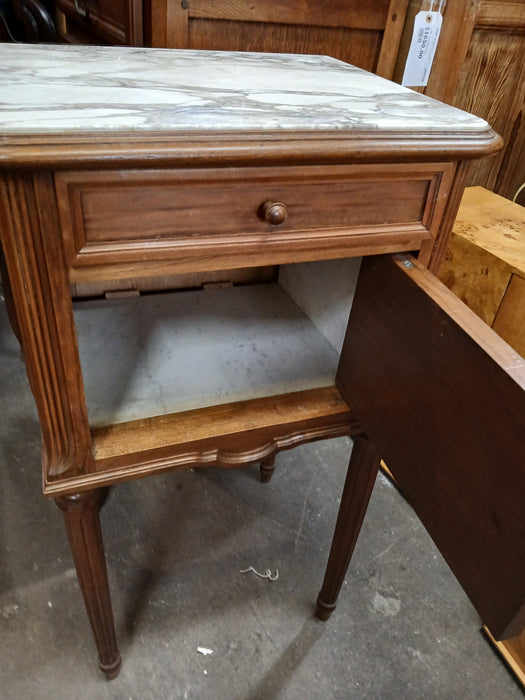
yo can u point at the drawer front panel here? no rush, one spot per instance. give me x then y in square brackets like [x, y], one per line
[114, 216]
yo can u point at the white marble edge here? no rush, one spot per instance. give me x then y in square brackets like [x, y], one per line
[50, 89]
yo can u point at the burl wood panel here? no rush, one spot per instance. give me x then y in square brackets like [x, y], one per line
[510, 319]
[495, 224]
[443, 399]
[478, 278]
[485, 262]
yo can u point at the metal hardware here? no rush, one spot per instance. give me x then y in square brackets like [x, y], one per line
[275, 213]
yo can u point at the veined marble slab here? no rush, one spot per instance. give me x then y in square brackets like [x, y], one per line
[84, 89]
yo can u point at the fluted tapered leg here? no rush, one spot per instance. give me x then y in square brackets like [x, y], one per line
[81, 515]
[360, 479]
[266, 468]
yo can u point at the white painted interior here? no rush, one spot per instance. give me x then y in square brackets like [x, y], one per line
[162, 353]
[324, 290]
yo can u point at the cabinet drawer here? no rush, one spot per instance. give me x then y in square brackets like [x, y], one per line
[128, 216]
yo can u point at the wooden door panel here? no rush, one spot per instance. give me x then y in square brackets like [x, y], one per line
[361, 47]
[365, 34]
[340, 13]
[443, 399]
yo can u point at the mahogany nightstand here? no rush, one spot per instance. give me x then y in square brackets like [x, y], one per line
[119, 163]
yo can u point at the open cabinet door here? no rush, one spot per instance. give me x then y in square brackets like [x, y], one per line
[442, 397]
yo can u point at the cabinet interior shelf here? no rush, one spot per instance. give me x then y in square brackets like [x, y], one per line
[165, 372]
[163, 353]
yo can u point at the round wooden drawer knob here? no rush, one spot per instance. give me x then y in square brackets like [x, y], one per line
[275, 213]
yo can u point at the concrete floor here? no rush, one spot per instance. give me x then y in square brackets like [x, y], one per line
[175, 546]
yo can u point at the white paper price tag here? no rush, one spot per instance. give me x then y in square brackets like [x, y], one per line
[427, 27]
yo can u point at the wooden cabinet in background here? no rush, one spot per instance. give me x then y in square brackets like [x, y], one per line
[364, 34]
[479, 67]
[491, 84]
[117, 22]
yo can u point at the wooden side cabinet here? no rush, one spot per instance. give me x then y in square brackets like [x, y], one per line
[485, 262]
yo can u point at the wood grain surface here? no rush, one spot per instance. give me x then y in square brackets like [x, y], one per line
[443, 399]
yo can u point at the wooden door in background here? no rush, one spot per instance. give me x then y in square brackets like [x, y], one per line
[479, 67]
[365, 34]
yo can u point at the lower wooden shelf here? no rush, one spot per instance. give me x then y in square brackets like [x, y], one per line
[223, 376]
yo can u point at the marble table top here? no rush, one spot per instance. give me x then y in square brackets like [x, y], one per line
[85, 89]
